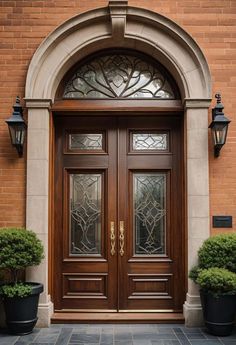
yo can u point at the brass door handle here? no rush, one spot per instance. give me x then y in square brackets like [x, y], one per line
[122, 238]
[113, 238]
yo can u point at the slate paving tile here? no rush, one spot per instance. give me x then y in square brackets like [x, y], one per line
[64, 336]
[106, 338]
[124, 342]
[141, 342]
[29, 337]
[178, 330]
[188, 330]
[155, 336]
[228, 341]
[195, 336]
[85, 338]
[206, 342]
[163, 330]
[34, 343]
[6, 339]
[166, 342]
[46, 338]
[45, 331]
[181, 337]
[122, 335]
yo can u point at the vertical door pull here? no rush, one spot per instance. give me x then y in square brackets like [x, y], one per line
[122, 237]
[113, 238]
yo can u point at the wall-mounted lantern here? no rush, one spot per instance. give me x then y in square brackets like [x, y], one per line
[219, 126]
[17, 127]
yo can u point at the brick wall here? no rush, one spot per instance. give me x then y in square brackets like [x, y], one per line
[23, 26]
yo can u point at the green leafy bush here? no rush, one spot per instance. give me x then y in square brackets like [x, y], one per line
[193, 274]
[217, 281]
[19, 249]
[219, 251]
[15, 290]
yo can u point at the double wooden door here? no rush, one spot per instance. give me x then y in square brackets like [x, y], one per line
[118, 214]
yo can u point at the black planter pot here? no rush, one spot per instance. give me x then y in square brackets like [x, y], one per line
[219, 313]
[21, 312]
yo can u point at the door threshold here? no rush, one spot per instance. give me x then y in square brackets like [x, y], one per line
[69, 317]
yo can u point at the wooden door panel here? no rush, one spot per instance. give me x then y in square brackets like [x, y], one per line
[150, 275]
[85, 198]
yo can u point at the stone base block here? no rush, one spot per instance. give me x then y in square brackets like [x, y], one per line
[193, 315]
[45, 311]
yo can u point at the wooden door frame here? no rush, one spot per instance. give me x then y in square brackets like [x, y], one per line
[116, 108]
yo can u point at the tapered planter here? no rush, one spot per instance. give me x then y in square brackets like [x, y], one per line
[219, 313]
[21, 312]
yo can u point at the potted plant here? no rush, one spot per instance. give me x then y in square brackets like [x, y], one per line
[215, 274]
[19, 249]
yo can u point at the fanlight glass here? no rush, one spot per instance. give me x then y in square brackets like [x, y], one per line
[119, 76]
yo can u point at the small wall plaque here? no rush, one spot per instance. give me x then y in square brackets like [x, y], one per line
[222, 221]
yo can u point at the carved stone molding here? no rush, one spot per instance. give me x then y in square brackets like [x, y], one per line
[118, 10]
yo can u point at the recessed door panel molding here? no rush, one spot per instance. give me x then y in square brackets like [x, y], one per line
[118, 235]
[85, 286]
[150, 286]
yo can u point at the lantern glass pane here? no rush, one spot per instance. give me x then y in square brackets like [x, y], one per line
[17, 133]
[220, 131]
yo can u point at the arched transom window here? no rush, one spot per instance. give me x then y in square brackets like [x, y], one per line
[120, 75]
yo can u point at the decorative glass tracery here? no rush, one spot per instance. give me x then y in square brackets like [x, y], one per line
[149, 141]
[85, 213]
[85, 141]
[149, 213]
[119, 76]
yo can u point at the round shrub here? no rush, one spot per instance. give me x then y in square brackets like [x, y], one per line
[218, 251]
[217, 281]
[19, 248]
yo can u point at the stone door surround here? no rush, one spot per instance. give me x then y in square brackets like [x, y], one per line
[119, 25]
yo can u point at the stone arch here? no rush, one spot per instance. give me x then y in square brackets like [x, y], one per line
[143, 30]
[119, 25]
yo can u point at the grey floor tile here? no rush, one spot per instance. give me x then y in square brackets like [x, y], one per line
[123, 334]
[178, 330]
[206, 342]
[164, 330]
[49, 331]
[6, 339]
[183, 340]
[85, 338]
[155, 336]
[36, 343]
[189, 330]
[228, 341]
[142, 342]
[107, 338]
[166, 342]
[64, 336]
[196, 336]
[123, 342]
[28, 338]
[46, 338]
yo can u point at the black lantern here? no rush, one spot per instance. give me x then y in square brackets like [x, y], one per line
[17, 127]
[219, 126]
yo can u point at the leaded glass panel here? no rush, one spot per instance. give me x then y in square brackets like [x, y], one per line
[149, 196]
[85, 141]
[85, 213]
[119, 76]
[150, 142]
